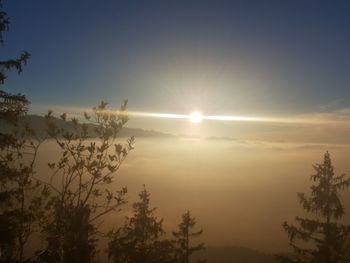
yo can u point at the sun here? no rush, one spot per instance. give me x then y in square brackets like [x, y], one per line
[196, 117]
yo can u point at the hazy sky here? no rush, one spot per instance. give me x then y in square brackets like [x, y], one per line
[221, 57]
[287, 59]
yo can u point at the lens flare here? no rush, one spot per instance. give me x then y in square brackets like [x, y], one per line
[196, 117]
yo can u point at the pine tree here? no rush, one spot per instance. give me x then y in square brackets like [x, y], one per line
[11, 106]
[139, 240]
[183, 238]
[326, 235]
[21, 195]
[10, 64]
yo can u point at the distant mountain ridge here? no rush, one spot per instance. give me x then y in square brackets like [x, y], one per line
[38, 123]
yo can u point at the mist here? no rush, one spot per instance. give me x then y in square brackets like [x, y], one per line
[240, 191]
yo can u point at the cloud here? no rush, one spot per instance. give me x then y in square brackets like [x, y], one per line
[318, 147]
[340, 116]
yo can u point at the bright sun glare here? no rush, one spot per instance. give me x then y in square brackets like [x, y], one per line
[196, 117]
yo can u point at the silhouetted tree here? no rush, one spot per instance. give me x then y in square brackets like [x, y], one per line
[11, 106]
[183, 238]
[21, 195]
[10, 64]
[327, 235]
[140, 239]
[88, 163]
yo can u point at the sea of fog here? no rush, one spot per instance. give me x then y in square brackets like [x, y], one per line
[239, 191]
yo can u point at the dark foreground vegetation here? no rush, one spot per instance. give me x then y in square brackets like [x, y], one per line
[64, 209]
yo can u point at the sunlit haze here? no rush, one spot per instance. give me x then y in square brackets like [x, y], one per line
[196, 117]
[144, 131]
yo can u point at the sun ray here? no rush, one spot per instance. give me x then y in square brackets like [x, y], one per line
[196, 117]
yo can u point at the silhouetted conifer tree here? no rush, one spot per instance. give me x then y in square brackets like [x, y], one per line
[21, 195]
[327, 236]
[183, 238]
[140, 239]
[11, 106]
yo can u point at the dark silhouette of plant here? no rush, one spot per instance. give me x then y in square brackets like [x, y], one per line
[90, 158]
[327, 236]
[183, 238]
[140, 239]
[11, 106]
[10, 64]
[21, 195]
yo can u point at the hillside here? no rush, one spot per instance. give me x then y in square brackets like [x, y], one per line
[39, 124]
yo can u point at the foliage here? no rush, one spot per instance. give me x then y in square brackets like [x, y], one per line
[323, 230]
[142, 238]
[139, 240]
[80, 181]
[10, 64]
[21, 195]
[12, 106]
[183, 237]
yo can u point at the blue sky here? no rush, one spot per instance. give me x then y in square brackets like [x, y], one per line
[288, 58]
[222, 57]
